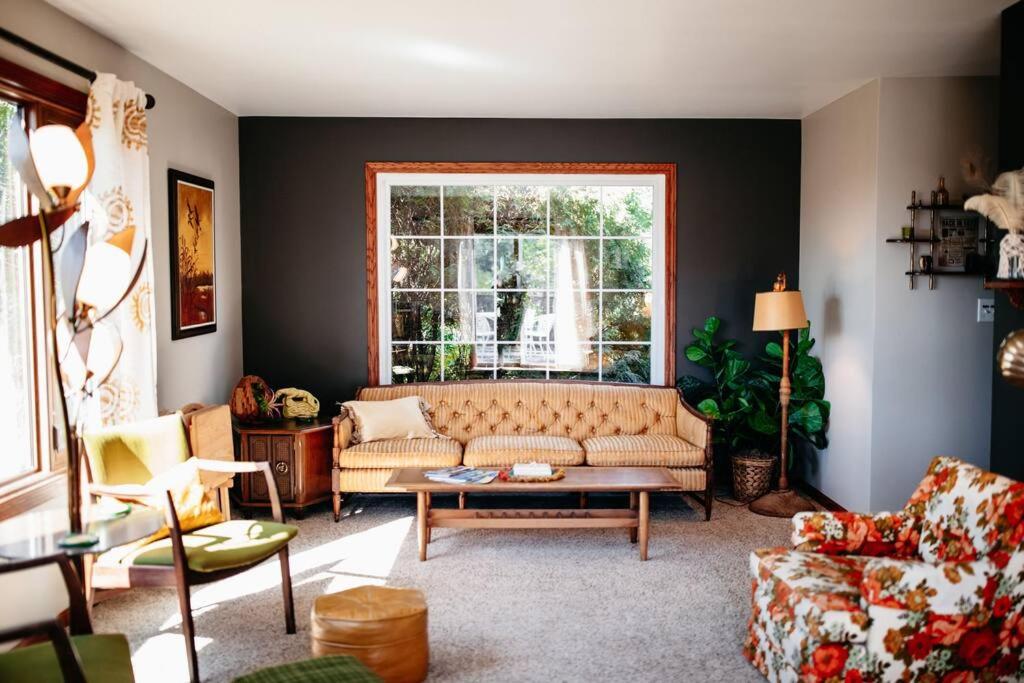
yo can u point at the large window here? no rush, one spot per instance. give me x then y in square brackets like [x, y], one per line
[521, 275]
[30, 469]
[17, 349]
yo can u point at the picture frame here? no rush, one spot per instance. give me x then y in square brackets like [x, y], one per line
[192, 228]
[957, 250]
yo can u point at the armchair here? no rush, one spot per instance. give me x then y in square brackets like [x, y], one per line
[934, 592]
[126, 458]
[73, 658]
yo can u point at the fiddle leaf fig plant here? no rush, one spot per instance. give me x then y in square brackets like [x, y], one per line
[743, 398]
[727, 397]
[808, 410]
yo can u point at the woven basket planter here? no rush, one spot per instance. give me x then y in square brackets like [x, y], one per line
[751, 475]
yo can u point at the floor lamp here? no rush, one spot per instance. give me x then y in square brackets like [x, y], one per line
[781, 310]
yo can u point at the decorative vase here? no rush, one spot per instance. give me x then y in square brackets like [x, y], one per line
[751, 474]
[1011, 257]
[252, 400]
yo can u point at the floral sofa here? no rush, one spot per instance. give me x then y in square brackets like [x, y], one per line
[934, 592]
[499, 423]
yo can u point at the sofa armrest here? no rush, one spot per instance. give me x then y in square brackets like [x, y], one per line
[885, 534]
[342, 432]
[692, 425]
[940, 588]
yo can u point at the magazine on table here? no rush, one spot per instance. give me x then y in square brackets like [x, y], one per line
[461, 475]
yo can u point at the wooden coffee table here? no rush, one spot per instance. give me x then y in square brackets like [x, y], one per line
[637, 481]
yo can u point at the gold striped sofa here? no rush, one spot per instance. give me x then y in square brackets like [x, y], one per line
[499, 423]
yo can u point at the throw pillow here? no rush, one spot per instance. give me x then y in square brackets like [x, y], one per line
[401, 418]
[194, 505]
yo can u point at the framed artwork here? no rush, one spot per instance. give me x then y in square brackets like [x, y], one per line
[193, 256]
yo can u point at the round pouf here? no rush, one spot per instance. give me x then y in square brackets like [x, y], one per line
[384, 628]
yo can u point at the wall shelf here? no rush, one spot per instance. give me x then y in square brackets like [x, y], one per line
[1014, 290]
[930, 241]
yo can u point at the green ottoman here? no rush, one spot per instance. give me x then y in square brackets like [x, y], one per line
[330, 669]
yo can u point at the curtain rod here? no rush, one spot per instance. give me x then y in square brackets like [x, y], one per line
[67, 64]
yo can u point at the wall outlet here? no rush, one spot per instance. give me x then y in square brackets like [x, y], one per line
[986, 310]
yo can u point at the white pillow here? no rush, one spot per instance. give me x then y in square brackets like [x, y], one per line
[401, 418]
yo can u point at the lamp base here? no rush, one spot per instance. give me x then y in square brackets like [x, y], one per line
[784, 503]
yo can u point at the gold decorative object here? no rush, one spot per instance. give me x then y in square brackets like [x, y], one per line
[1010, 358]
[297, 403]
[781, 310]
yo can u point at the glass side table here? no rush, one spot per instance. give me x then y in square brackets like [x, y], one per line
[111, 533]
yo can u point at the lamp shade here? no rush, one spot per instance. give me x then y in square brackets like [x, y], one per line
[775, 311]
[59, 157]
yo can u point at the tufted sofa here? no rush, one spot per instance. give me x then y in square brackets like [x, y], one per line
[499, 423]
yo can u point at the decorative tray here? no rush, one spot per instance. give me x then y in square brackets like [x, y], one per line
[506, 475]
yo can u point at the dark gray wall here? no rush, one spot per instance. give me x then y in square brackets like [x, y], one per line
[303, 220]
[1008, 401]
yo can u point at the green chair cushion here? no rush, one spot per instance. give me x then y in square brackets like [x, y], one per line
[104, 658]
[135, 453]
[329, 669]
[228, 545]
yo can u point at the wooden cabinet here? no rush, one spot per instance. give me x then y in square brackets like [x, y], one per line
[299, 454]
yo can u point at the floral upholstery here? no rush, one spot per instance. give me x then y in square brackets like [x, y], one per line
[505, 451]
[934, 592]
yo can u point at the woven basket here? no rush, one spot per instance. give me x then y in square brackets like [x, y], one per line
[751, 475]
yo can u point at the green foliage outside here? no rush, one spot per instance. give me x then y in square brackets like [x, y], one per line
[742, 397]
[574, 212]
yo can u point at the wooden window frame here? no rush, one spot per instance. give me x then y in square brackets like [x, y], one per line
[44, 101]
[373, 168]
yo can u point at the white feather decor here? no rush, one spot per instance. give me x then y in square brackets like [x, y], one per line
[1004, 205]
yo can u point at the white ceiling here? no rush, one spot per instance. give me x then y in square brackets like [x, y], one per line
[545, 58]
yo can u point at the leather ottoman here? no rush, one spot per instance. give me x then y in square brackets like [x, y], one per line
[384, 628]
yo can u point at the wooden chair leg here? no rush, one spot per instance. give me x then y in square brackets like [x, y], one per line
[462, 500]
[188, 629]
[286, 590]
[337, 506]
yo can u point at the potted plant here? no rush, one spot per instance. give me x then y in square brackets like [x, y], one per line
[808, 410]
[743, 401]
[731, 399]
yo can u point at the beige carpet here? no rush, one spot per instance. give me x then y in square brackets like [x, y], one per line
[504, 605]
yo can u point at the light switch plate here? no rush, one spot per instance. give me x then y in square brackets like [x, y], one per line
[986, 310]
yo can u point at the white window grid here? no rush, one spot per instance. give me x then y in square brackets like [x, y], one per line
[656, 240]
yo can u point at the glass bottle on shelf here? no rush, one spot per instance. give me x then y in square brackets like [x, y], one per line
[943, 193]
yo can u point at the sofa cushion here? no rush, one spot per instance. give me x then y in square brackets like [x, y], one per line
[503, 451]
[809, 593]
[402, 453]
[642, 450]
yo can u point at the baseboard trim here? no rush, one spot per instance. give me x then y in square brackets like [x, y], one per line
[820, 498]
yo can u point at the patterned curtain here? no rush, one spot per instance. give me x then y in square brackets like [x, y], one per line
[118, 199]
